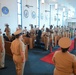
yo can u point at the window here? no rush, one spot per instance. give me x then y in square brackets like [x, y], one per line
[19, 19]
[19, 8]
[19, 13]
[38, 12]
[19, 1]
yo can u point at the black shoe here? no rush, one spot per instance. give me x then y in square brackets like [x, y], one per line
[3, 68]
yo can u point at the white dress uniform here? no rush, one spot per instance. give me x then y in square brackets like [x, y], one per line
[2, 52]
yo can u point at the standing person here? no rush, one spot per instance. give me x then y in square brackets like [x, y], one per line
[47, 39]
[35, 29]
[18, 51]
[25, 30]
[32, 31]
[19, 28]
[38, 37]
[65, 62]
[7, 30]
[2, 52]
[42, 29]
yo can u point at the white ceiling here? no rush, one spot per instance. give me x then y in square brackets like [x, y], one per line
[72, 3]
[63, 2]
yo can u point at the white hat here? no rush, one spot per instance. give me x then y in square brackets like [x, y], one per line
[64, 42]
[18, 32]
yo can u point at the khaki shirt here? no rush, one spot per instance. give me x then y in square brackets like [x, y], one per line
[32, 32]
[64, 63]
[25, 31]
[47, 34]
[42, 29]
[1, 43]
[17, 48]
[18, 29]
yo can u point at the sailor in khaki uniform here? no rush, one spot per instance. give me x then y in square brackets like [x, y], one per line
[65, 62]
[32, 35]
[32, 31]
[43, 28]
[25, 30]
[7, 30]
[18, 51]
[2, 51]
[19, 28]
[47, 39]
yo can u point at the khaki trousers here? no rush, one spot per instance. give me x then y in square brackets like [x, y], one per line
[47, 41]
[19, 68]
[2, 59]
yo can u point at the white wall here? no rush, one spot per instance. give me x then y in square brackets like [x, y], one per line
[47, 15]
[45, 20]
[11, 18]
[71, 20]
[56, 16]
[29, 20]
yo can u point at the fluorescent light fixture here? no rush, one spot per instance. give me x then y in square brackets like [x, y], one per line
[42, 1]
[56, 6]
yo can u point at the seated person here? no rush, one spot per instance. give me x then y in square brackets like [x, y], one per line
[5, 37]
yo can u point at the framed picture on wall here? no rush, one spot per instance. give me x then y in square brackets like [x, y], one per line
[5, 10]
[26, 13]
[33, 14]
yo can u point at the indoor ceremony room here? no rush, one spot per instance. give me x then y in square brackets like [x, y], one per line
[38, 37]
